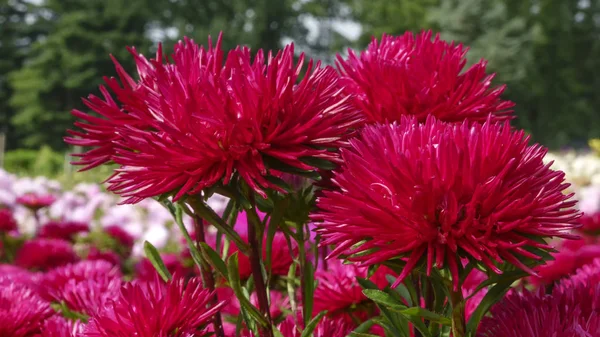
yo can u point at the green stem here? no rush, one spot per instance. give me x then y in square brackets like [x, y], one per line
[458, 312]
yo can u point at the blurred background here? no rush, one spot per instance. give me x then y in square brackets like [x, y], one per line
[53, 52]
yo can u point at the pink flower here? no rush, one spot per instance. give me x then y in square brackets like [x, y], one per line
[36, 201]
[7, 221]
[95, 254]
[45, 254]
[279, 302]
[571, 255]
[84, 287]
[191, 123]
[327, 327]
[442, 191]
[339, 292]
[572, 309]
[66, 230]
[22, 311]
[123, 238]
[155, 309]
[591, 223]
[281, 257]
[60, 327]
[417, 76]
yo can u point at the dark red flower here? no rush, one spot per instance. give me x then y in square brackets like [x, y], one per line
[436, 192]
[327, 327]
[176, 309]
[65, 230]
[189, 124]
[95, 254]
[36, 201]
[123, 238]
[572, 309]
[591, 223]
[7, 221]
[281, 256]
[418, 76]
[59, 327]
[45, 254]
[22, 311]
[84, 287]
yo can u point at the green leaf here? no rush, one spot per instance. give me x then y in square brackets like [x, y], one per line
[154, 257]
[385, 299]
[426, 314]
[308, 279]
[310, 327]
[403, 292]
[365, 326]
[214, 259]
[235, 283]
[276, 218]
[320, 163]
[493, 295]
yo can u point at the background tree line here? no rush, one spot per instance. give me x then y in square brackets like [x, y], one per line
[53, 52]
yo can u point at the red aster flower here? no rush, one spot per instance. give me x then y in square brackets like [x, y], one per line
[154, 309]
[571, 255]
[36, 201]
[63, 230]
[95, 254]
[45, 254]
[192, 123]
[341, 295]
[327, 327]
[59, 327]
[442, 191]
[145, 271]
[12, 274]
[7, 222]
[22, 311]
[573, 309]
[591, 223]
[418, 76]
[278, 301]
[123, 238]
[83, 287]
[281, 257]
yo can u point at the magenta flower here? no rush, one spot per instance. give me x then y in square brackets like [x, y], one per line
[439, 192]
[281, 256]
[84, 287]
[66, 230]
[22, 311]
[94, 254]
[154, 309]
[591, 223]
[60, 327]
[327, 327]
[572, 309]
[417, 76]
[121, 236]
[191, 123]
[36, 201]
[7, 221]
[144, 270]
[45, 254]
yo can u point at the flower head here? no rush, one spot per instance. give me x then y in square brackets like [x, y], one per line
[36, 201]
[84, 287]
[123, 238]
[591, 223]
[192, 123]
[7, 221]
[154, 309]
[327, 327]
[418, 76]
[281, 256]
[442, 191]
[45, 254]
[65, 230]
[22, 311]
[144, 270]
[572, 309]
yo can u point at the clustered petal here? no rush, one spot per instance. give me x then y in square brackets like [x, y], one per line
[7, 221]
[192, 123]
[155, 309]
[443, 191]
[45, 254]
[417, 76]
[22, 311]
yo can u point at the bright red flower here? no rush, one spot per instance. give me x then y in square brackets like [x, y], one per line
[65, 230]
[155, 309]
[59, 327]
[95, 254]
[281, 257]
[36, 201]
[22, 311]
[591, 223]
[572, 309]
[418, 76]
[439, 192]
[84, 287]
[192, 123]
[7, 221]
[45, 254]
[327, 327]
